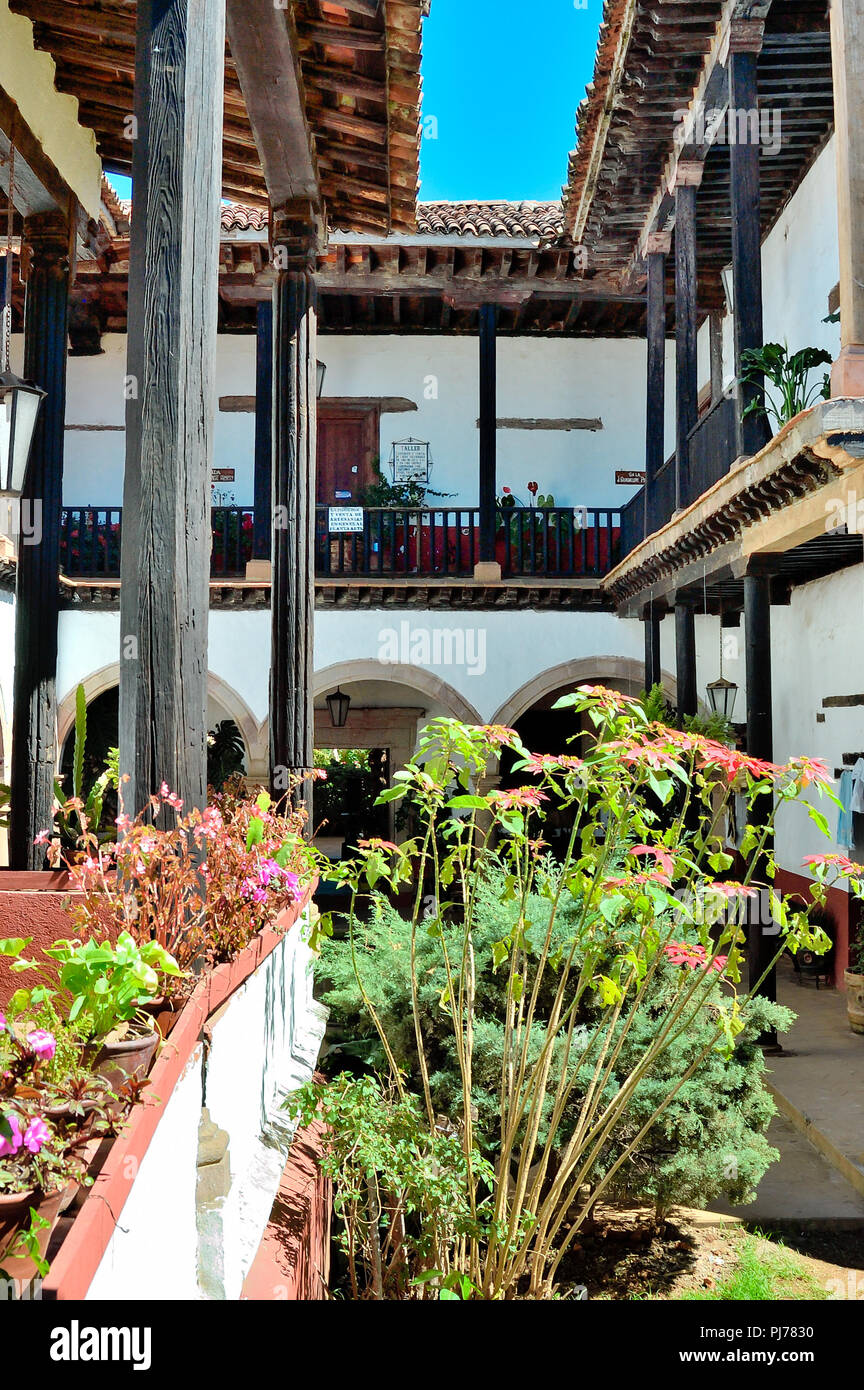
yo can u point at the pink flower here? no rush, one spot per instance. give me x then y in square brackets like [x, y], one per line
[663, 857]
[2, 1023]
[164, 790]
[693, 957]
[11, 1146]
[42, 1044]
[520, 798]
[268, 869]
[42, 838]
[35, 1135]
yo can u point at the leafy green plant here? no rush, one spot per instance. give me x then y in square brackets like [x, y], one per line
[789, 375]
[104, 986]
[226, 754]
[83, 808]
[5, 799]
[583, 961]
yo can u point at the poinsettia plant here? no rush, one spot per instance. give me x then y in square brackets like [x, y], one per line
[634, 931]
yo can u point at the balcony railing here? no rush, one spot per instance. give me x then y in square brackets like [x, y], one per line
[394, 542]
[712, 450]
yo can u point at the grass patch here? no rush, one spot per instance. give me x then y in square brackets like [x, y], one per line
[766, 1272]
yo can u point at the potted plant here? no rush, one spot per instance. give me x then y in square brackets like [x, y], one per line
[854, 978]
[45, 1126]
[103, 988]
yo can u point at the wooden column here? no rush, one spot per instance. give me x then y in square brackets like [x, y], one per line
[659, 245]
[686, 376]
[761, 944]
[292, 720]
[488, 439]
[653, 670]
[847, 46]
[173, 290]
[263, 433]
[745, 186]
[34, 700]
[685, 656]
[715, 336]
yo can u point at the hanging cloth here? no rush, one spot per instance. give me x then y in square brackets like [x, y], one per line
[858, 787]
[844, 815]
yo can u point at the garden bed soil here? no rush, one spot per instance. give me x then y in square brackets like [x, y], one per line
[624, 1256]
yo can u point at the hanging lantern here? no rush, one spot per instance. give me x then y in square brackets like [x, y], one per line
[722, 695]
[19, 411]
[19, 400]
[338, 705]
[321, 368]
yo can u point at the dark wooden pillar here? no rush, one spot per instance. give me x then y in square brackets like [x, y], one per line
[653, 668]
[762, 939]
[263, 433]
[686, 377]
[659, 244]
[744, 176]
[292, 717]
[173, 292]
[34, 712]
[488, 431]
[685, 656]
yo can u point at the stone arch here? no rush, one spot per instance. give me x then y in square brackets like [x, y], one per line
[622, 673]
[415, 677]
[107, 677]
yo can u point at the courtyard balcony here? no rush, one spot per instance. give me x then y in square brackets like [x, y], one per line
[557, 543]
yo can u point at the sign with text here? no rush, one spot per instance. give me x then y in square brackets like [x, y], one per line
[345, 520]
[222, 475]
[630, 477]
[410, 461]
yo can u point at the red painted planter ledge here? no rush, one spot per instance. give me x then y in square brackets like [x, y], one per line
[80, 1255]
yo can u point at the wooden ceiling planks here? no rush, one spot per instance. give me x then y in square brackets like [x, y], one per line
[360, 64]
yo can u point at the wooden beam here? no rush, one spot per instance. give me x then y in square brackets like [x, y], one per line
[264, 47]
[655, 428]
[752, 431]
[686, 374]
[488, 431]
[34, 713]
[340, 36]
[38, 185]
[174, 265]
[292, 718]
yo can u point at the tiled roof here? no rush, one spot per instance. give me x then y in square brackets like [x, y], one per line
[469, 219]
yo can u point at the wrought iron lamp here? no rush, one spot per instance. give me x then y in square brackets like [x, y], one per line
[338, 705]
[722, 693]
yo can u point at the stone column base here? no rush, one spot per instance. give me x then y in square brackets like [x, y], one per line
[487, 572]
[259, 570]
[847, 374]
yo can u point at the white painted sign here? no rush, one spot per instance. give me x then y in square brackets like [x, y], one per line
[345, 519]
[410, 461]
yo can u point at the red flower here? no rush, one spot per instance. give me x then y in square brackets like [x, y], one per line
[693, 957]
[663, 857]
[521, 799]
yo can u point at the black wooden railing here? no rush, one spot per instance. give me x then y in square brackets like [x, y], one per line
[712, 450]
[549, 542]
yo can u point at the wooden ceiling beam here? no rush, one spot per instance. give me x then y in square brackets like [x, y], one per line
[265, 53]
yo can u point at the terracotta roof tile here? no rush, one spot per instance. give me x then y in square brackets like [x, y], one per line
[468, 219]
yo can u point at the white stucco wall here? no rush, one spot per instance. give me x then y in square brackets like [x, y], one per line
[265, 1042]
[537, 378]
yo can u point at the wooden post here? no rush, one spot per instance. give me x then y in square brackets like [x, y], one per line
[263, 433]
[744, 178]
[659, 245]
[685, 656]
[847, 45]
[715, 332]
[34, 700]
[488, 569]
[761, 943]
[653, 669]
[686, 375]
[173, 292]
[292, 718]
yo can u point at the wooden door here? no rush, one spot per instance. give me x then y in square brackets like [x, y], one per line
[347, 453]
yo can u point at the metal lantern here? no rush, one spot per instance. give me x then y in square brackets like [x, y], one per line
[722, 695]
[19, 411]
[338, 705]
[321, 368]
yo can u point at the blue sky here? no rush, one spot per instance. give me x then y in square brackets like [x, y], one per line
[502, 80]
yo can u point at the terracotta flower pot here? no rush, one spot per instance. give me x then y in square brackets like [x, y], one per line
[14, 1213]
[855, 1000]
[117, 1061]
